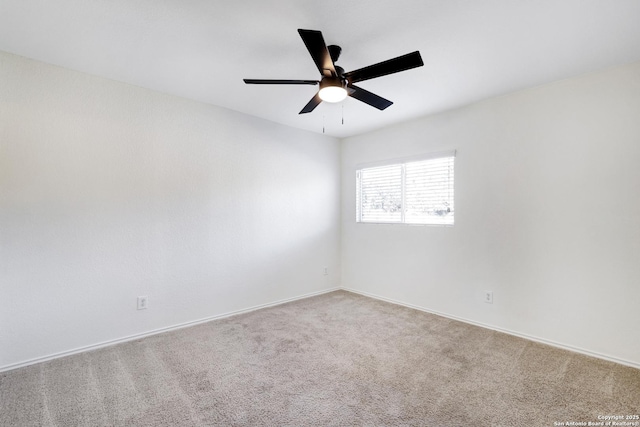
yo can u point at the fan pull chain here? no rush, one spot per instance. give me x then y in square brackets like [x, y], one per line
[342, 113]
[323, 123]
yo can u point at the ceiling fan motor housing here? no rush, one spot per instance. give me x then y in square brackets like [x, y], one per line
[332, 81]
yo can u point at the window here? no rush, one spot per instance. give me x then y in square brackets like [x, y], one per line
[410, 192]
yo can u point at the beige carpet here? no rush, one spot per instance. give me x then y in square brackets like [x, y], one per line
[338, 359]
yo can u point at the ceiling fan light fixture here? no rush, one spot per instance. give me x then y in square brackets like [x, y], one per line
[332, 90]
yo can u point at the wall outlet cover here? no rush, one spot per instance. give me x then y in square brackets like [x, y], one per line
[488, 297]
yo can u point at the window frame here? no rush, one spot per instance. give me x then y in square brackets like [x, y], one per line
[402, 162]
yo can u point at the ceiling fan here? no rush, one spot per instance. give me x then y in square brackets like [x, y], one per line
[335, 84]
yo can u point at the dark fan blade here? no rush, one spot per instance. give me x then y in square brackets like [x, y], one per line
[369, 98]
[280, 82]
[311, 105]
[401, 63]
[318, 50]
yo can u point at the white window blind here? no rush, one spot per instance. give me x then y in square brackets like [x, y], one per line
[381, 194]
[412, 192]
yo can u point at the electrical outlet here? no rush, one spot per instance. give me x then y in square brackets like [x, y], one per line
[326, 271]
[488, 297]
[142, 303]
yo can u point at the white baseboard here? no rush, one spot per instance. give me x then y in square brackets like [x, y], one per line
[158, 331]
[506, 331]
[257, 307]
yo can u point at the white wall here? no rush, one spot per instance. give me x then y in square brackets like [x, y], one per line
[109, 191]
[547, 215]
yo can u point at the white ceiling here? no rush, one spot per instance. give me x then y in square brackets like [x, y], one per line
[201, 49]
